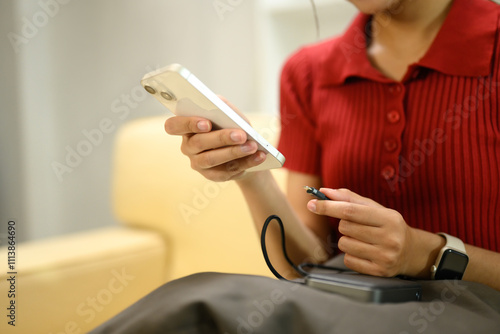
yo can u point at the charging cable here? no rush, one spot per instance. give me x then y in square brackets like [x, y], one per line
[298, 268]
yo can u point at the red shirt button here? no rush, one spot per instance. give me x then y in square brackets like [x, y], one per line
[388, 172]
[390, 145]
[393, 116]
[395, 89]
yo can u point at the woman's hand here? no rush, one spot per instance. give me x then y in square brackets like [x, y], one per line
[219, 155]
[376, 240]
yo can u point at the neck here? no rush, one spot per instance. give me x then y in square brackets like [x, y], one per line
[402, 35]
[419, 18]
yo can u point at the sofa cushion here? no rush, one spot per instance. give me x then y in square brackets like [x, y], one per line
[73, 283]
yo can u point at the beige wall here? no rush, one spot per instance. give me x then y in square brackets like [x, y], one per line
[11, 186]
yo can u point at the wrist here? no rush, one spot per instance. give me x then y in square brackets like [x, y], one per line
[253, 179]
[424, 251]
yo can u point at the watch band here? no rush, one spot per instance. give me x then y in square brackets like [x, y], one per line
[453, 243]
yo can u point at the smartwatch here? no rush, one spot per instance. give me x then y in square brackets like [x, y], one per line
[451, 261]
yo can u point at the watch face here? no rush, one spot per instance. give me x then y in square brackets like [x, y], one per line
[452, 265]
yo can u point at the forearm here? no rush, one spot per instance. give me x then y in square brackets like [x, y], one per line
[265, 198]
[483, 267]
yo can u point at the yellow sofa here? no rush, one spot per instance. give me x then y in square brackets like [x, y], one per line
[173, 222]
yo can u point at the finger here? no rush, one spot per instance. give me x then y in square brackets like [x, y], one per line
[366, 266]
[235, 168]
[357, 248]
[241, 165]
[182, 125]
[363, 233]
[358, 255]
[381, 261]
[346, 195]
[213, 140]
[356, 213]
[213, 158]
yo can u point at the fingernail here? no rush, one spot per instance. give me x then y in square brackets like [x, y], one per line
[311, 205]
[235, 136]
[247, 147]
[260, 157]
[203, 126]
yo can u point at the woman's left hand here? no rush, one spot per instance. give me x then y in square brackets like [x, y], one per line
[376, 240]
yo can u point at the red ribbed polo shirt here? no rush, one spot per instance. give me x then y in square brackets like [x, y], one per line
[427, 146]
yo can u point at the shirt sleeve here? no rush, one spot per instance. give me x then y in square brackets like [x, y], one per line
[298, 129]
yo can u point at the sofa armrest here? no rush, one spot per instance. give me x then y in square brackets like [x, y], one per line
[72, 284]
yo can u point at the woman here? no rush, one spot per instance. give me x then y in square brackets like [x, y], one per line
[403, 111]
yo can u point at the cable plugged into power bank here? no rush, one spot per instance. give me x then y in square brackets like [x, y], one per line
[298, 268]
[356, 286]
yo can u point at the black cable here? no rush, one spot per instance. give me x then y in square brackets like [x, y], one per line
[316, 20]
[264, 248]
[299, 269]
[315, 192]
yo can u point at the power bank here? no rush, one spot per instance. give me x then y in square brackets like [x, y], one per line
[367, 288]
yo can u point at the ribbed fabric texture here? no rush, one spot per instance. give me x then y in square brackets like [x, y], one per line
[428, 146]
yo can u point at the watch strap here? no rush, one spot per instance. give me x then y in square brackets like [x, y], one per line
[453, 242]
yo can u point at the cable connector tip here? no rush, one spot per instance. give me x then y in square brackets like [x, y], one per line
[315, 192]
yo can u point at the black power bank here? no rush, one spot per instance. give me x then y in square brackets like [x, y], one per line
[367, 288]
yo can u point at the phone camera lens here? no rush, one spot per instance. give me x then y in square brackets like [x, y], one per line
[167, 96]
[150, 89]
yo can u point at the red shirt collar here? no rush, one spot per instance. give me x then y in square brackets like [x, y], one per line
[464, 45]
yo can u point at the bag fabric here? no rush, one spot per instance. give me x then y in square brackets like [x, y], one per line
[242, 304]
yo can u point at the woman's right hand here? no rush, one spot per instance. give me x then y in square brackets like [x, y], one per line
[218, 155]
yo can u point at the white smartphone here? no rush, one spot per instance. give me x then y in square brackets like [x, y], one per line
[185, 95]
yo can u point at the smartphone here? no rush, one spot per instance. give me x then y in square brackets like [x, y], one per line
[185, 95]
